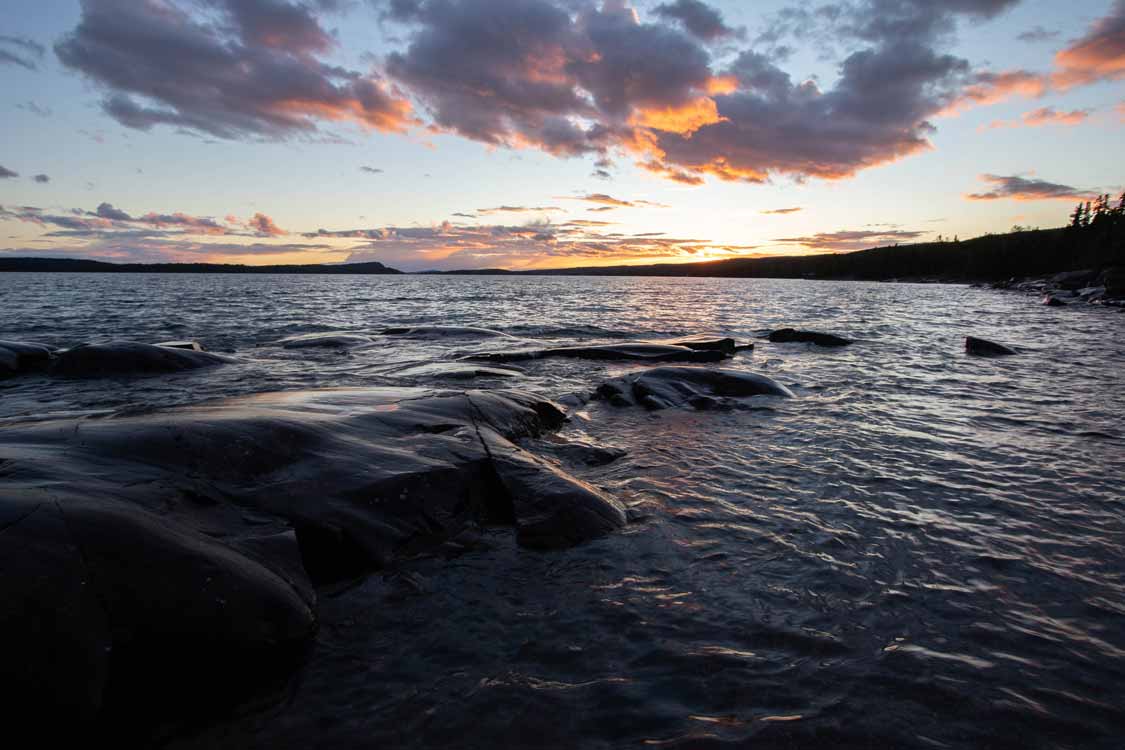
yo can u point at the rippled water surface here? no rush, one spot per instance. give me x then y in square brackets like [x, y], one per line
[924, 549]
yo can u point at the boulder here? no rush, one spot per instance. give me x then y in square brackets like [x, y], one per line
[335, 340]
[612, 352]
[165, 548]
[702, 388]
[983, 347]
[791, 335]
[1072, 280]
[1113, 279]
[127, 358]
[1052, 301]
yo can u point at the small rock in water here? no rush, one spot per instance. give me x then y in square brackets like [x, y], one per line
[700, 388]
[1052, 301]
[983, 347]
[791, 335]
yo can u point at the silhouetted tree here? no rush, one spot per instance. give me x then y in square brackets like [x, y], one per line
[1078, 218]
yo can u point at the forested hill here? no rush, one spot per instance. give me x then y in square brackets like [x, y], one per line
[72, 265]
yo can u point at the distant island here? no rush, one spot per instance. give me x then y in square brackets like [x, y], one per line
[75, 265]
[1091, 241]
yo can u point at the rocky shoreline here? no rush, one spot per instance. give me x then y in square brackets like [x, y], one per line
[1089, 286]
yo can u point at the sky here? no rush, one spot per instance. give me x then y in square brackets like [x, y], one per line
[446, 134]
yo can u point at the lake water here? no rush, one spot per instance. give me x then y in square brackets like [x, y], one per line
[923, 549]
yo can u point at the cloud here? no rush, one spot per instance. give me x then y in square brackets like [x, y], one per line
[784, 210]
[700, 19]
[517, 210]
[1018, 188]
[255, 72]
[850, 240]
[1099, 55]
[1038, 34]
[608, 202]
[371, 170]
[264, 226]
[41, 179]
[35, 108]
[1045, 116]
[21, 51]
[6, 173]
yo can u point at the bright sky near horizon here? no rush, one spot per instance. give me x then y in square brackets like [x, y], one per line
[439, 134]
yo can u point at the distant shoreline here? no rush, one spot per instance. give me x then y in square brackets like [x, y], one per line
[989, 258]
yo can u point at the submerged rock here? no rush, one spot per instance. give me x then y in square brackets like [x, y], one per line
[330, 340]
[169, 547]
[791, 335]
[623, 352]
[984, 347]
[699, 387]
[21, 356]
[1052, 301]
[455, 371]
[129, 358]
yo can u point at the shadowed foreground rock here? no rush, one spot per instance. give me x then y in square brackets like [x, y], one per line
[700, 352]
[149, 561]
[129, 358]
[792, 335]
[986, 348]
[22, 356]
[699, 387]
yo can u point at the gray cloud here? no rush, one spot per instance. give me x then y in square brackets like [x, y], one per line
[776, 211]
[852, 239]
[21, 51]
[1014, 187]
[6, 173]
[698, 18]
[41, 179]
[1038, 34]
[257, 74]
[371, 170]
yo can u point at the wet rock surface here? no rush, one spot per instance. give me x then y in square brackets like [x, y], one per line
[123, 358]
[792, 335]
[984, 347]
[642, 352]
[702, 388]
[23, 356]
[202, 530]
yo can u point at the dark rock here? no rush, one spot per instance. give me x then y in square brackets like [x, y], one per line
[702, 388]
[551, 508]
[611, 352]
[1073, 279]
[580, 452]
[163, 549]
[791, 335]
[128, 358]
[327, 340]
[727, 346]
[194, 346]
[22, 356]
[1113, 279]
[984, 347]
[445, 332]
[1053, 301]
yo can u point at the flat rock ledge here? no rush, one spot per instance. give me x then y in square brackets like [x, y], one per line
[145, 556]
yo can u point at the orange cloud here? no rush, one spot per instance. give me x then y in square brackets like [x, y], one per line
[996, 87]
[1044, 116]
[264, 225]
[1098, 56]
